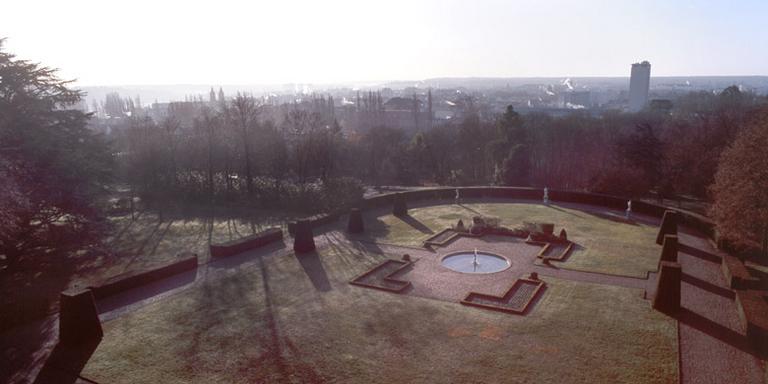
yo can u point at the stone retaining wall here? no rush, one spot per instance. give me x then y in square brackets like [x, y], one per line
[690, 219]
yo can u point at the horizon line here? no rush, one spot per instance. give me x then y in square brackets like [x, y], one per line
[355, 82]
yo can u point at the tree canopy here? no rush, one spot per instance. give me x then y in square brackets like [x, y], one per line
[740, 190]
[52, 165]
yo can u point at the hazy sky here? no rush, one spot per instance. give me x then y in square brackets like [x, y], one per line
[268, 42]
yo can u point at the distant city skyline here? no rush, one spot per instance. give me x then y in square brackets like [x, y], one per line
[302, 41]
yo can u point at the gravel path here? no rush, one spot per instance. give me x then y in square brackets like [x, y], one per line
[591, 277]
[713, 347]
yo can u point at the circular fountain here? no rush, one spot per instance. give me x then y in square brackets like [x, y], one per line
[475, 262]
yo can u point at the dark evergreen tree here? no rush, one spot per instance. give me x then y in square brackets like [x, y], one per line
[53, 167]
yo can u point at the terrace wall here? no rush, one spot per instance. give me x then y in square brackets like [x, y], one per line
[122, 283]
[690, 219]
[241, 245]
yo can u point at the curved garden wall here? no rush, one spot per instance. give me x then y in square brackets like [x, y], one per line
[690, 219]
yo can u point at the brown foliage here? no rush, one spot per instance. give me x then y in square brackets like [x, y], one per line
[740, 190]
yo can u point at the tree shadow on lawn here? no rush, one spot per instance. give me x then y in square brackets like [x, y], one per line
[313, 267]
[615, 217]
[127, 227]
[352, 256]
[138, 253]
[351, 249]
[374, 230]
[416, 224]
[470, 209]
[556, 208]
[293, 366]
[251, 322]
[214, 298]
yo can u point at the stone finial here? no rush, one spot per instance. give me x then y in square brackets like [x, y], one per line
[400, 207]
[668, 226]
[303, 240]
[563, 235]
[355, 223]
[667, 298]
[669, 249]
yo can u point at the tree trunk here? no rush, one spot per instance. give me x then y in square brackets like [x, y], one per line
[210, 171]
[248, 176]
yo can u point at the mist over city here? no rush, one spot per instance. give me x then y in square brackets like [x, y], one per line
[374, 192]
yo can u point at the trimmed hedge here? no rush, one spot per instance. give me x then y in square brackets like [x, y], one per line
[247, 243]
[304, 239]
[122, 283]
[355, 221]
[316, 221]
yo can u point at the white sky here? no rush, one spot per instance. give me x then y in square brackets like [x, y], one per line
[269, 42]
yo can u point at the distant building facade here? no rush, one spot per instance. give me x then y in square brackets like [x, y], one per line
[371, 111]
[639, 83]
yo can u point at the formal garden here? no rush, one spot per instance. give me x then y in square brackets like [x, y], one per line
[322, 235]
[425, 289]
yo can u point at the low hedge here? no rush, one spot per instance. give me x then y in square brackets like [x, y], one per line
[123, 283]
[316, 221]
[247, 243]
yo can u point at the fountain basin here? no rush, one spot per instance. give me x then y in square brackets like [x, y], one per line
[464, 262]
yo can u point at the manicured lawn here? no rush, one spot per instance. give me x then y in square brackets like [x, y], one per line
[606, 245]
[296, 319]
